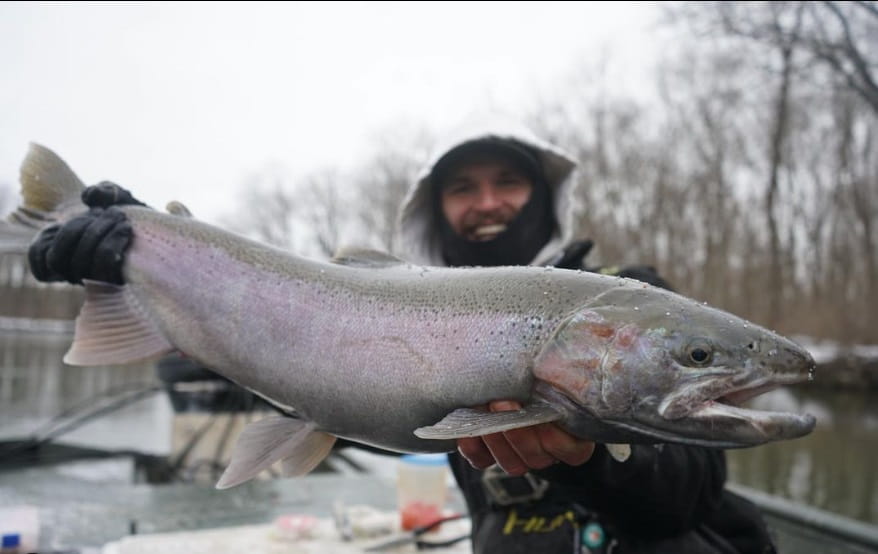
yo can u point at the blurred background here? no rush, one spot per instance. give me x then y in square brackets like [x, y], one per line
[730, 144]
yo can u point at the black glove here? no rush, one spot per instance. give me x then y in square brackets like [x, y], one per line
[645, 273]
[574, 254]
[88, 246]
[106, 194]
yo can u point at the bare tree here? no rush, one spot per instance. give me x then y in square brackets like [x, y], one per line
[384, 179]
[383, 185]
[267, 209]
[786, 45]
[815, 101]
[324, 209]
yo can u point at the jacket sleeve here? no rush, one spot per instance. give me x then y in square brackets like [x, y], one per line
[659, 491]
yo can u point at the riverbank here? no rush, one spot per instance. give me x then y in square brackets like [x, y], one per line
[842, 366]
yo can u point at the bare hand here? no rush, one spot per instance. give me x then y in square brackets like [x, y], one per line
[520, 450]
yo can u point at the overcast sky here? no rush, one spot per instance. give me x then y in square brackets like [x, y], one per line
[184, 101]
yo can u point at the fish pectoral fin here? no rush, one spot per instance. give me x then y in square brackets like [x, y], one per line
[469, 422]
[113, 328]
[264, 442]
[619, 452]
[363, 257]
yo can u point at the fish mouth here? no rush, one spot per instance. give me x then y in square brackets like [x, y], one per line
[710, 404]
[749, 425]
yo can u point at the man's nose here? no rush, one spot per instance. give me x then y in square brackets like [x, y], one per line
[488, 199]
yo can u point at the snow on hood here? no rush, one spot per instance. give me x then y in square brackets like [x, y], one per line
[417, 236]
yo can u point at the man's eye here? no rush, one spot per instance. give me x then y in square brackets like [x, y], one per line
[458, 189]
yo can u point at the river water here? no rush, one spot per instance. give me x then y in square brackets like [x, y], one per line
[834, 468]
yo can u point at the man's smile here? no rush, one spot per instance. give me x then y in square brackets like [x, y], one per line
[486, 232]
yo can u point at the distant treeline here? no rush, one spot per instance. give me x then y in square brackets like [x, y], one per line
[750, 178]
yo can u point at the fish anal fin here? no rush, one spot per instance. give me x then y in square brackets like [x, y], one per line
[262, 443]
[112, 328]
[364, 257]
[469, 422]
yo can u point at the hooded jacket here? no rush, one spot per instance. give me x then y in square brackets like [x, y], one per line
[661, 499]
[418, 238]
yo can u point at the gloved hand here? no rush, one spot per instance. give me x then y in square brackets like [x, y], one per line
[88, 246]
[573, 256]
[645, 273]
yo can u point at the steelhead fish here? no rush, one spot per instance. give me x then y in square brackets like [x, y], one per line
[382, 352]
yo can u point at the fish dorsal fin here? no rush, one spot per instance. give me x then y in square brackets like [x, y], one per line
[178, 208]
[297, 442]
[469, 422]
[112, 328]
[48, 188]
[364, 257]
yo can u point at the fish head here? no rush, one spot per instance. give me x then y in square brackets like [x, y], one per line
[666, 368]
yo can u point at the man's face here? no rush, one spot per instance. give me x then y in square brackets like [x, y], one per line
[480, 198]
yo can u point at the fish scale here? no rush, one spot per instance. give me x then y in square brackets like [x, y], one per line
[403, 357]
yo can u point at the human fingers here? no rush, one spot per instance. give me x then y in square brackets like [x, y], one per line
[563, 446]
[61, 250]
[107, 193]
[524, 441]
[38, 251]
[476, 452]
[504, 454]
[82, 262]
[109, 255]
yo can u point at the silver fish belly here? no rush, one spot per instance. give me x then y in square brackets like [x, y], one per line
[403, 357]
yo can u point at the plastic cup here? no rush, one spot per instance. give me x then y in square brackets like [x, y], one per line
[421, 488]
[19, 528]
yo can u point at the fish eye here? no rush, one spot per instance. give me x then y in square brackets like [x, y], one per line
[699, 353]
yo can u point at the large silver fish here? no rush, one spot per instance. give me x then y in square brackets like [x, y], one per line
[386, 353]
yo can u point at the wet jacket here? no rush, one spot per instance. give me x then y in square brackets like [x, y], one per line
[668, 498]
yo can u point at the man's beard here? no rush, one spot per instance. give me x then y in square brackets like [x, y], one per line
[525, 235]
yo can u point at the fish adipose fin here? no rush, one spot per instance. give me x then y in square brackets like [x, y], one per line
[264, 442]
[112, 328]
[178, 208]
[362, 257]
[469, 422]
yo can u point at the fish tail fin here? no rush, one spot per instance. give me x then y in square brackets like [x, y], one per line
[296, 442]
[48, 187]
[112, 328]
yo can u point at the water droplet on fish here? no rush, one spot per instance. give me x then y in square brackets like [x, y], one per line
[772, 352]
[545, 292]
[704, 303]
[636, 309]
[667, 313]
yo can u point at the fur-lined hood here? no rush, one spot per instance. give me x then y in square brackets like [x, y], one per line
[417, 236]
